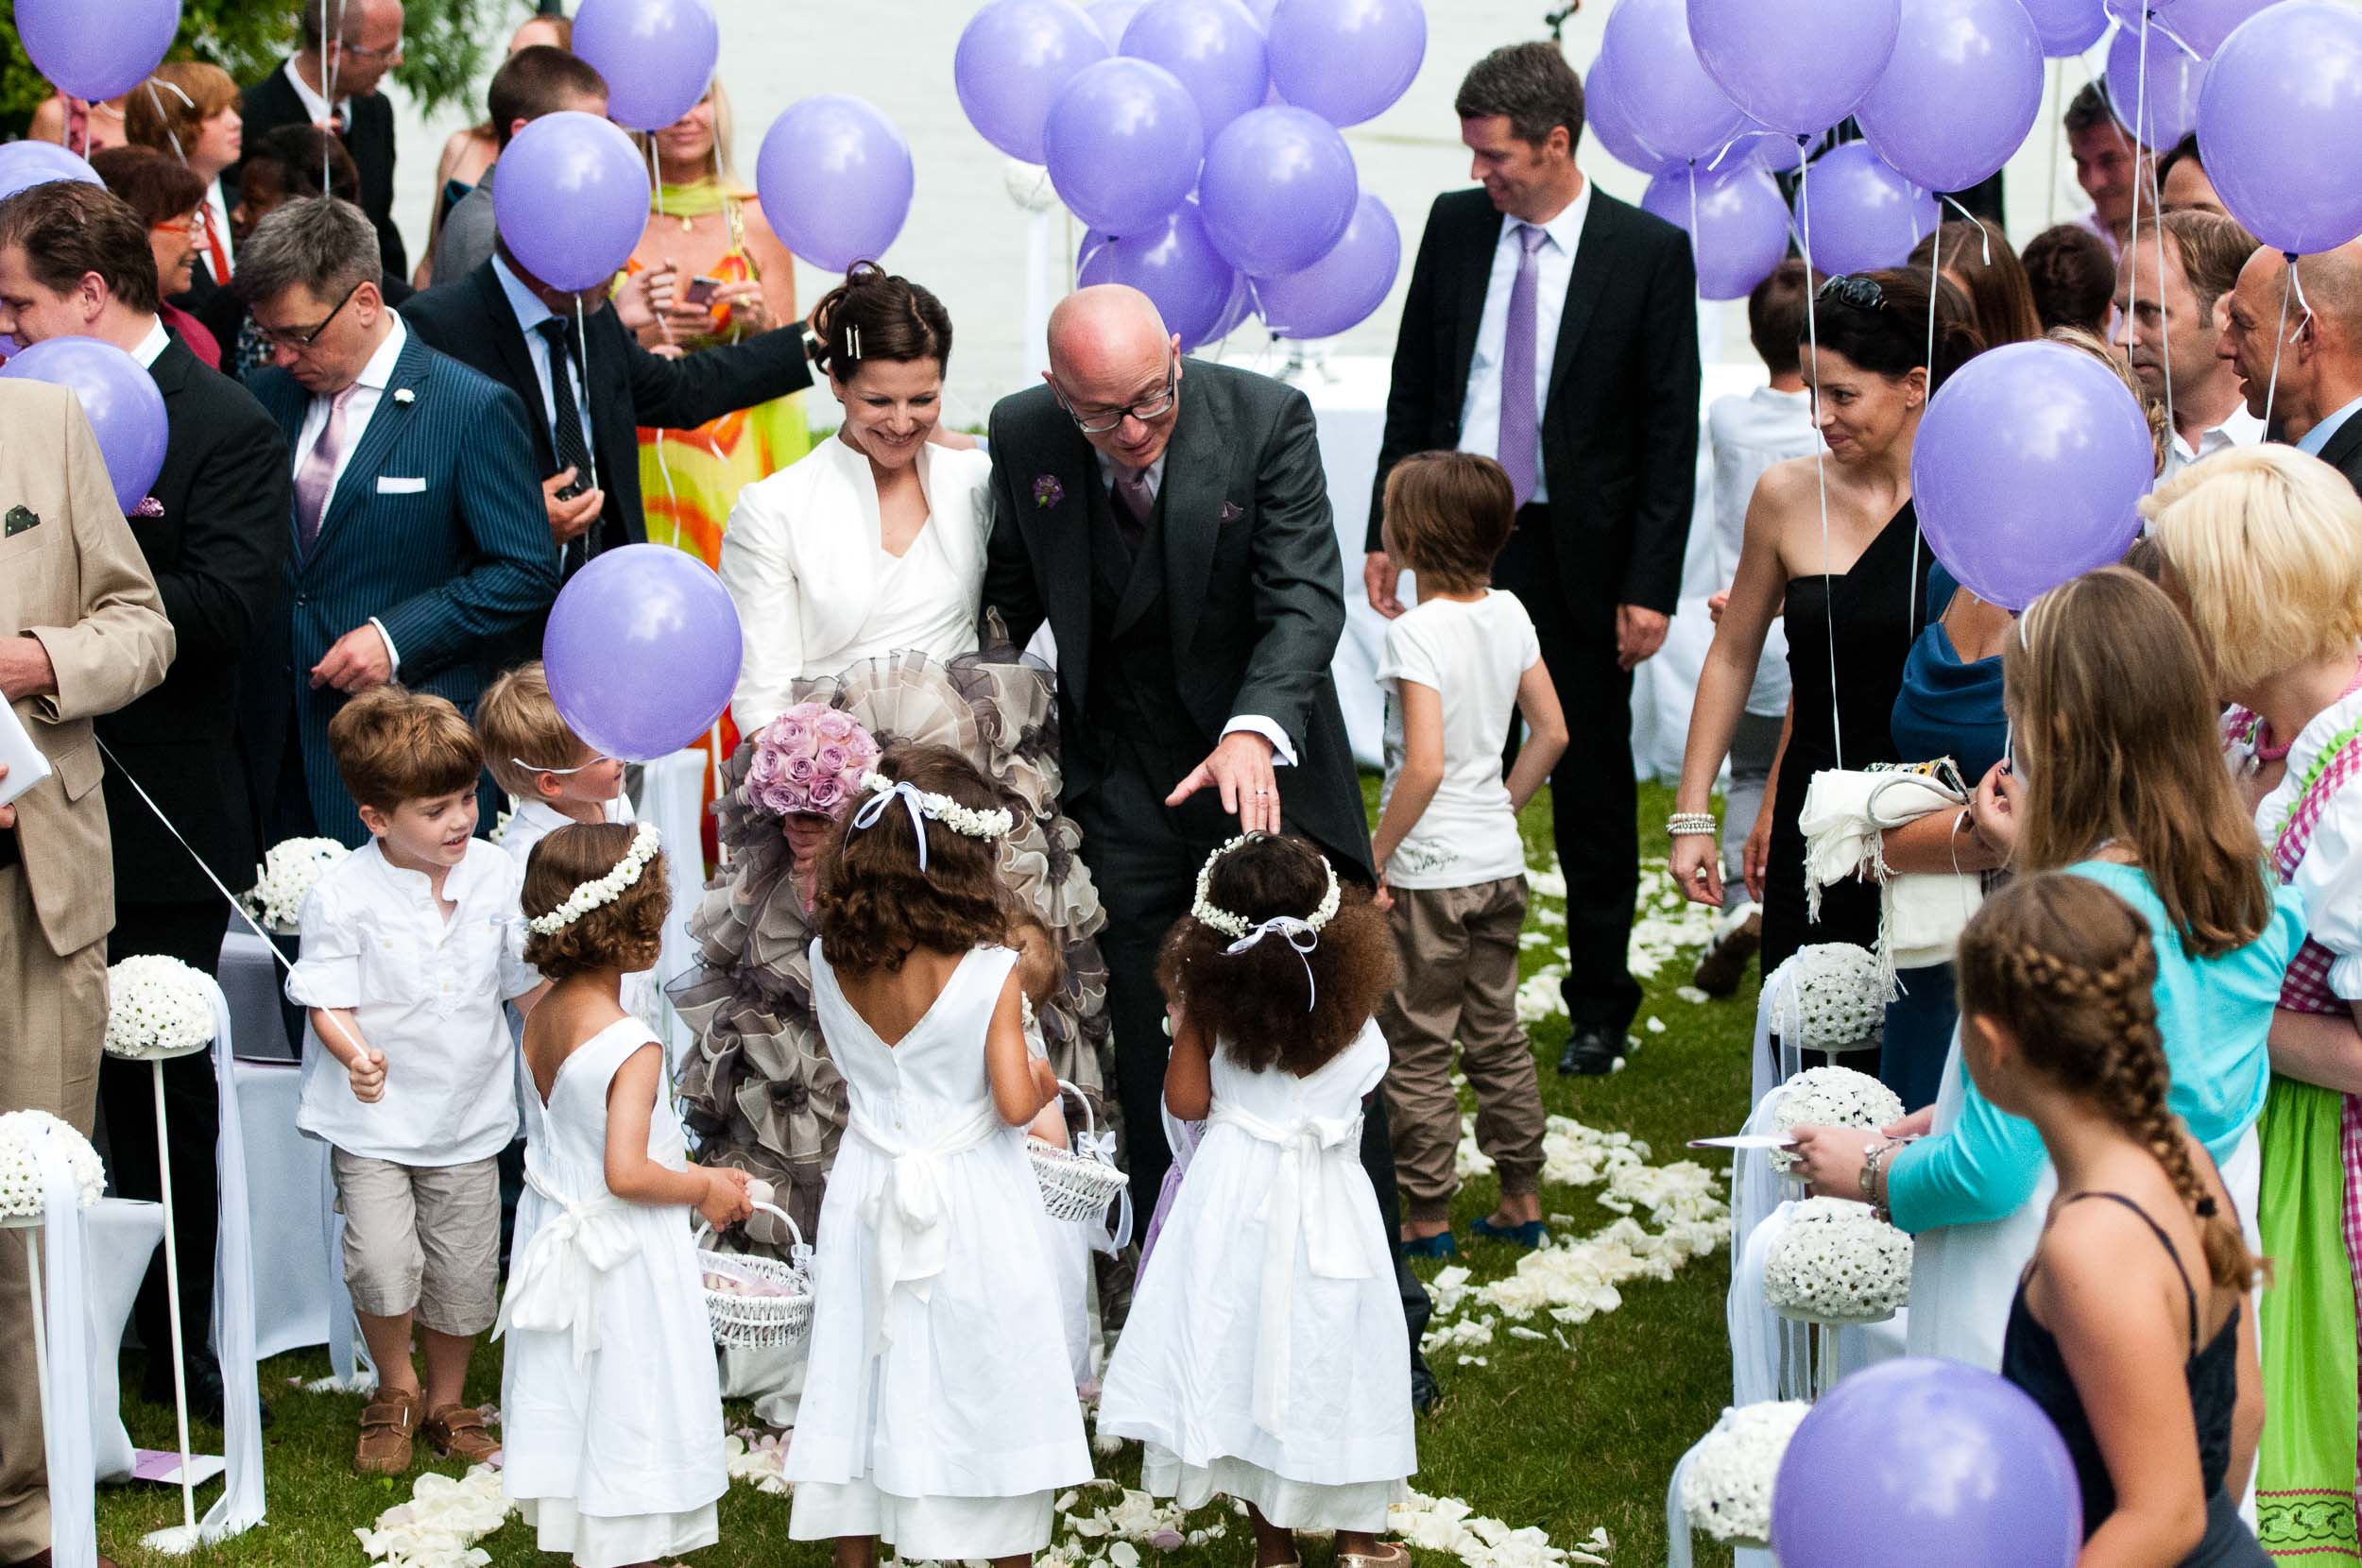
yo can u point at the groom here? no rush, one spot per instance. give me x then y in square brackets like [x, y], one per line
[1170, 518]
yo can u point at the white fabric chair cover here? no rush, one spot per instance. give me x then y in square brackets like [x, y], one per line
[64, 1244]
[123, 1235]
[239, 1506]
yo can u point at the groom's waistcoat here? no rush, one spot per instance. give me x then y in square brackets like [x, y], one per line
[1134, 688]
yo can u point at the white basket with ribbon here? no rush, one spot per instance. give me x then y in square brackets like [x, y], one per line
[1077, 1184]
[757, 1303]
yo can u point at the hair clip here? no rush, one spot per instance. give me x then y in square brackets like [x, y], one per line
[2205, 1208]
[852, 343]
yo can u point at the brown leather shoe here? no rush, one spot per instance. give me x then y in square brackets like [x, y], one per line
[456, 1432]
[390, 1426]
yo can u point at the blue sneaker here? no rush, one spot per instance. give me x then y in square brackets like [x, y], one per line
[1529, 1235]
[1439, 1245]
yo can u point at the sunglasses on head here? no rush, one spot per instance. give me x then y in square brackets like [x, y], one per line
[1847, 288]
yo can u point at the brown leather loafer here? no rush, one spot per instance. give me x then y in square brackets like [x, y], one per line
[456, 1431]
[389, 1424]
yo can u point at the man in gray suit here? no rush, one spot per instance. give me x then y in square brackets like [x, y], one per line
[418, 539]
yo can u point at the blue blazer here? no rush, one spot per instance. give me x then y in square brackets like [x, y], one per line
[450, 568]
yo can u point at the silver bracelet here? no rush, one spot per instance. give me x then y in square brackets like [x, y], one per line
[1691, 824]
[1874, 1189]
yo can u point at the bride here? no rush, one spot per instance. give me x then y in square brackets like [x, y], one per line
[857, 572]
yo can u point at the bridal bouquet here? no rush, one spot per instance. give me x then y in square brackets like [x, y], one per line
[156, 1006]
[810, 760]
[1835, 999]
[1838, 1263]
[1831, 1097]
[284, 880]
[19, 1163]
[1727, 1490]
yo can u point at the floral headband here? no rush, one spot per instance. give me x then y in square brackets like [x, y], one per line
[590, 896]
[1299, 933]
[924, 807]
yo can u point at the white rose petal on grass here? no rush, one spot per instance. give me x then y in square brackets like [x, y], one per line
[1655, 1025]
[1691, 994]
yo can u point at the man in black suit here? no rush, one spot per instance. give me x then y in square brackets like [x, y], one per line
[1554, 327]
[2315, 351]
[348, 46]
[75, 262]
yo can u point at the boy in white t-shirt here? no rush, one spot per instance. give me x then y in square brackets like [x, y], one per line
[1459, 670]
[410, 945]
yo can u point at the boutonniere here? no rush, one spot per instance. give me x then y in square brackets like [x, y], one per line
[19, 521]
[1232, 511]
[1048, 492]
[403, 397]
[149, 507]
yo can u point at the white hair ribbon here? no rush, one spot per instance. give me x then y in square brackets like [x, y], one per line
[874, 809]
[1302, 935]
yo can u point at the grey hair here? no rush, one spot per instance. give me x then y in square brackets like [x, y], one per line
[315, 19]
[325, 244]
[1532, 84]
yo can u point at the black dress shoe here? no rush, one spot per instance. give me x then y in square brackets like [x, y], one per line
[1592, 1051]
[206, 1394]
[1425, 1390]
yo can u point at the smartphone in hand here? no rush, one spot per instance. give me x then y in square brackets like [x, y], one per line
[700, 291]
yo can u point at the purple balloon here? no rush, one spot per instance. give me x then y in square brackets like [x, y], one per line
[658, 56]
[1112, 16]
[1669, 103]
[1741, 231]
[1214, 47]
[2166, 104]
[2027, 469]
[1796, 66]
[2278, 120]
[1013, 56]
[2204, 23]
[26, 163]
[1177, 266]
[1343, 287]
[94, 54]
[1607, 119]
[835, 179]
[1346, 61]
[642, 651]
[1857, 215]
[1278, 191]
[575, 201]
[1776, 150]
[1959, 93]
[118, 396]
[1965, 1456]
[2067, 27]
[1124, 143]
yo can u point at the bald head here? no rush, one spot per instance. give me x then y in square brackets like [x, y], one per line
[2317, 340]
[1109, 353]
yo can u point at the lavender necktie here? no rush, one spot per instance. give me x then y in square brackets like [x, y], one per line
[1135, 503]
[1521, 420]
[316, 480]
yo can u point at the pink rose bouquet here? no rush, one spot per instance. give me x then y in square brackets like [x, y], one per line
[810, 758]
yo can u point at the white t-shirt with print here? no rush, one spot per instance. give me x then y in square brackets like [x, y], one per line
[1473, 655]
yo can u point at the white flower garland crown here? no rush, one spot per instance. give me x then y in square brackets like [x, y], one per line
[645, 840]
[924, 807]
[1237, 927]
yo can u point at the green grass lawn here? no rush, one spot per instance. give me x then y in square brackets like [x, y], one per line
[1567, 1438]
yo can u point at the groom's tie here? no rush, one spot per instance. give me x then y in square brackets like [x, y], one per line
[1134, 502]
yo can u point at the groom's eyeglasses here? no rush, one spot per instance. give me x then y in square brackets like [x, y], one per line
[1099, 421]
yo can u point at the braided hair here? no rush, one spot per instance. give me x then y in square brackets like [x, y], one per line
[2069, 970]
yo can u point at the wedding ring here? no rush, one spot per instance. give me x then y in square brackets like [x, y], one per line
[1262, 792]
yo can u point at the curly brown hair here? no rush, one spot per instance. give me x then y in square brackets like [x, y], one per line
[875, 907]
[626, 934]
[1253, 1003]
[2068, 968]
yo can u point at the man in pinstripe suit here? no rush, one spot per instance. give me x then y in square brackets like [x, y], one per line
[418, 538]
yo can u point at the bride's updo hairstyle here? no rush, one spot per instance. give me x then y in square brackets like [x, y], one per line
[1879, 321]
[876, 315]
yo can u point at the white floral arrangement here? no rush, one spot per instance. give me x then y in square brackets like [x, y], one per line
[21, 1134]
[1835, 999]
[157, 1006]
[1214, 918]
[1831, 1097]
[966, 821]
[602, 891]
[1838, 1263]
[285, 878]
[1727, 1490]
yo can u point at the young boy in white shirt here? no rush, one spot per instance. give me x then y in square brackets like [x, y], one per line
[411, 946]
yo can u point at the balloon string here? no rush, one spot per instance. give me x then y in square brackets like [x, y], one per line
[656, 175]
[2058, 126]
[2133, 235]
[1819, 448]
[1984, 230]
[1935, 285]
[2165, 323]
[1697, 259]
[582, 344]
[2280, 336]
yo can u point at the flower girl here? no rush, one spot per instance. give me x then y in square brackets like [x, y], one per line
[611, 1404]
[1264, 1355]
[939, 1410]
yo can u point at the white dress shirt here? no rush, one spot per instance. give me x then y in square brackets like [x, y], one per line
[2241, 429]
[1554, 264]
[530, 313]
[369, 389]
[155, 343]
[1282, 754]
[314, 105]
[217, 214]
[2317, 438]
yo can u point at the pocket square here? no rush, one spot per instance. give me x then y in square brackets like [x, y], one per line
[1232, 511]
[149, 507]
[386, 486]
[20, 520]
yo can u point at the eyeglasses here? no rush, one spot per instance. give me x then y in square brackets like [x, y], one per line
[1156, 408]
[1861, 293]
[392, 52]
[289, 337]
[183, 228]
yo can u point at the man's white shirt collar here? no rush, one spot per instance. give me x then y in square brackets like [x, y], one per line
[378, 374]
[155, 343]
[1565, 229]
[522, 302]
[314, 105]
[2241, 429]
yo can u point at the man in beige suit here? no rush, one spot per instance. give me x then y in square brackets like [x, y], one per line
[82, 633]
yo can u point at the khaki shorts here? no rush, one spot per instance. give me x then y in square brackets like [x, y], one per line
[422, 1239]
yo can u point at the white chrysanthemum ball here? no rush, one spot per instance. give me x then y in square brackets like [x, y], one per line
[21, 1134]
[1834, 999]
[1727, 1488]
[284, 880]
[157, 1006]
[1838, 1263]
[1830, 1097]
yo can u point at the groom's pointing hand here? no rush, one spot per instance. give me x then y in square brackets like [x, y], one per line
[1241, 768]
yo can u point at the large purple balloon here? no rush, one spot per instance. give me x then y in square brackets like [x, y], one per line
[2168, 104]
[96, 51]
[2204, 23]
[1741, 229]
[1855, 213]
[658, 56]
[1797, 65]
[1959, 93]
[1346, 61]
[2027, 469]
[1955, 1455]
[1670, 102]
[641, 652]
[1279, 189]
[1013, 56]
[1341, 289]
[2067, 27]
[26, 163]
[1124, 143]
[1214, 47]
[1177, 266]
[2278, 121]
[1607, 119]
[1112, 16]
[120, 400]
[835, 179]
[572, 199]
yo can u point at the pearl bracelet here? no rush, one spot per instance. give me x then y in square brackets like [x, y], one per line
[1691, 824]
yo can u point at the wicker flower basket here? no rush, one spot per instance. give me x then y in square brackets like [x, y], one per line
[757, 1303]
[1077, 1186]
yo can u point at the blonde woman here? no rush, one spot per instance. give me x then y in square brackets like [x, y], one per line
[188, 110]
[2262, 548]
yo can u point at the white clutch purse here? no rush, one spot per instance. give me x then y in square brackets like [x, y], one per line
[1920, 913]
